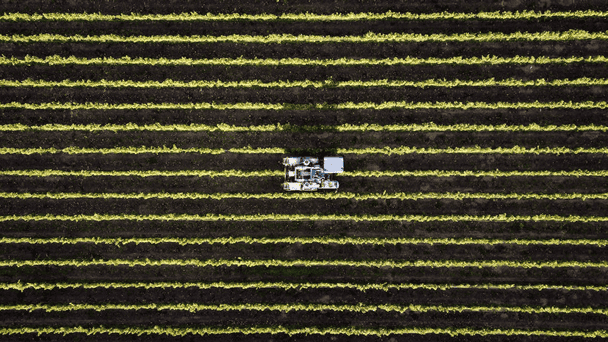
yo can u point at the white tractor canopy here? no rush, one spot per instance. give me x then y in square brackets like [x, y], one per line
[333, 164]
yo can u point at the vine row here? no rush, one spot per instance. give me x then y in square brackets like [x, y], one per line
[401, 150]
[389, 15]
[312, 195]
[458, 60]
[303, 263]
[370, 37]
[298, 240]
[491, 82]
[280, 173]
[247, 330]
[358, 308]
[19, 286]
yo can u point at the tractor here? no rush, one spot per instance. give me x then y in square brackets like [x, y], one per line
[306, 174]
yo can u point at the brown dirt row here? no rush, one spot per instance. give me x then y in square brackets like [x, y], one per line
[295, 6]
[303, 207]
[292, 140]
[273, 184]
[497, 230]
[335, 28]
[303, 318]
[555, 276]
[254, 162]
[401, 252]
[292, 72]
[305, 95]
[312, 117]
[309, 50]
[454, 297]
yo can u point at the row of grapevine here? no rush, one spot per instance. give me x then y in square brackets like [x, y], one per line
[290, 331]
[140, 173]
[280, 173]
[409, 60]
[402, 150]
[511, 82]
[302, 263]
[371, 37]
[144, 149]
[300, 240]
[306, 195]
[425, 127]
[302, 217]
[389, 15]
[318, 106]
[358, 308]
[19, 286]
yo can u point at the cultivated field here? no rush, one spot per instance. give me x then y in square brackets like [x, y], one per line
[140, 176]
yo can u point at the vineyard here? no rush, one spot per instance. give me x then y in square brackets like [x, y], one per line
[140, 170]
